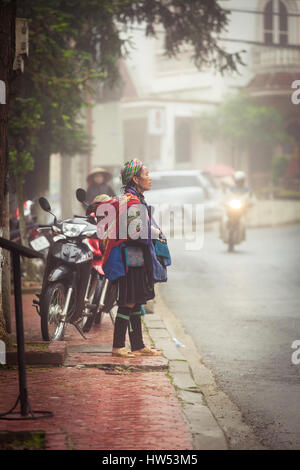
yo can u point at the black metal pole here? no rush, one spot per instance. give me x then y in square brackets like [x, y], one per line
[20, 333]
[26, 411]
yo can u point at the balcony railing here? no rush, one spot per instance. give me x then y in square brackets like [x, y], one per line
[266, 58]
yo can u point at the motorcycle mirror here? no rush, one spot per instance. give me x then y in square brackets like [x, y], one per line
[81, 195]
[44, 204]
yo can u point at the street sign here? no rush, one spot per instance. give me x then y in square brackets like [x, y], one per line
[22, 43]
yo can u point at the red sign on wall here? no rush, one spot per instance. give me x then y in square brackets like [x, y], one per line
[156, 121]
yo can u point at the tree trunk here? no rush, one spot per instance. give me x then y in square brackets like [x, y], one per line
[27, 262]
[37, 185]
[6, 271]
[3, 332]
[7, 40]
[22, 223]
[7, 47]
[66, 187]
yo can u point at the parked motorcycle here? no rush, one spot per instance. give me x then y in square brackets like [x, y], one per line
[108, 289]
[73, 290]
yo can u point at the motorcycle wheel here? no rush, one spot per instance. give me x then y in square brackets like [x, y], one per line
[111, 297]
[231, 241]
[52, 305]
[88, 322]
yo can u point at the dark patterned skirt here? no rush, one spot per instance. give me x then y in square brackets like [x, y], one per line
[137, 286]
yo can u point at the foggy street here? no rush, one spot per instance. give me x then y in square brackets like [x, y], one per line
[242, 311]
[122, 122]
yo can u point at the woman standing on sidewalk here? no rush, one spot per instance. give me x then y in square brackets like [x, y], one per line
[137, 263]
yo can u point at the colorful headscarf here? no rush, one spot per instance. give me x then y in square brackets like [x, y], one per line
[130, 169]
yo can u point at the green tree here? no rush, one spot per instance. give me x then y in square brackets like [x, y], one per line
[241, 122]
[279, 166]
[46, 99]
[23, 127]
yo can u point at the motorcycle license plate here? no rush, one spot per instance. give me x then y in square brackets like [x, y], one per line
[40, 243]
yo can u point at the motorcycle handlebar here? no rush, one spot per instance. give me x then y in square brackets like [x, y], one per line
[44, 226]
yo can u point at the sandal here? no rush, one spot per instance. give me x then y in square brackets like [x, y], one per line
[147, 352]
[122, 352]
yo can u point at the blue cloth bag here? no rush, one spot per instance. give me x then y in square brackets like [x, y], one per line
[114, 267]
[162, 250]
[159, 271]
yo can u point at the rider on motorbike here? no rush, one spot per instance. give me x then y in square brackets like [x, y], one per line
[237, 192]
[239, 187]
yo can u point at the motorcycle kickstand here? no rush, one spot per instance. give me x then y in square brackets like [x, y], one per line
[112, 318]
[79, 330]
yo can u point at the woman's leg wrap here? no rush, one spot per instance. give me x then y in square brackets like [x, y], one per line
[121, 324]
[136, 335]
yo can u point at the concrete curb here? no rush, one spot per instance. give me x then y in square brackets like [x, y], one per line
[27, 289]
[53, 356]
[216, 423]
[205, 431]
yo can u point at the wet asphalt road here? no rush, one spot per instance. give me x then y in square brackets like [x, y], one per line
[242, 310]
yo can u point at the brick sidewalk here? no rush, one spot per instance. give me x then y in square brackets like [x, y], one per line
[131, 405]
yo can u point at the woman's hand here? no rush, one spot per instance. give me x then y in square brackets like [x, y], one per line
[155, 232]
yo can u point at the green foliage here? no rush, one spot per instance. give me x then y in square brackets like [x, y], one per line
[76, 44]
[20, 163]
[24, 124]
[194, 22]
[22, 440]
[241, 121]
[279, 166]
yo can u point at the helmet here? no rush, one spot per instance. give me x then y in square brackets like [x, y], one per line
[239, 176]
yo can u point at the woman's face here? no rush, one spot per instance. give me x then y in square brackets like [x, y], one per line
[143, 182]
[99, 178]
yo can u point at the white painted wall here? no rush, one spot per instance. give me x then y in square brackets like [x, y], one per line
[273, 212]
[107, 135]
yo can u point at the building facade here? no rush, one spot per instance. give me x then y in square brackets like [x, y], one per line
[166, 98]
[157, 115]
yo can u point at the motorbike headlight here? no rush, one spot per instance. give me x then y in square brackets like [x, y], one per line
[72, 230]
[235, 204]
